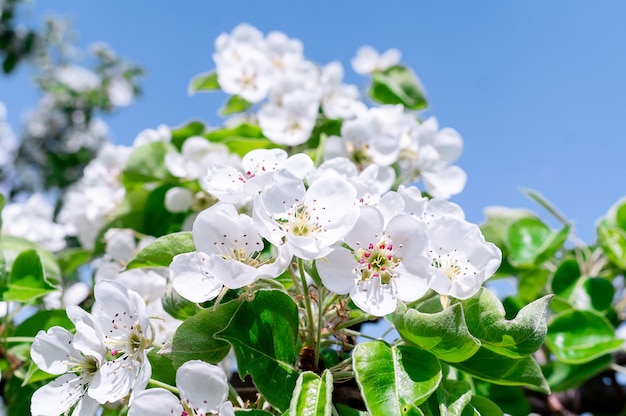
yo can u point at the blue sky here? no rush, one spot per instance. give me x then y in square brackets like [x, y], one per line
[537, 89]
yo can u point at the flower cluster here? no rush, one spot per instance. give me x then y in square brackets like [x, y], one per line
[313, 191]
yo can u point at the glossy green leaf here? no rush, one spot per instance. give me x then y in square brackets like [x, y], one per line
[612, 240]
[565, 278]
[205, 82]
[453, 396]
[162, 368]
[161, 251]
[552, 244]
[72, 258]
[251, 412]
[235, 104]
[495, 230]
[395, 380]
[240, 139]
[444, 333]
[531, 242]
[522, 336]
[266, 349]
[180, 134]
[26, 281]
[398, 85]
[485, 407]
[562, 376]
[532, 284]
[12, 247]
[499, 369]
[313, 395]
[576, 336]
[596, 293]
[194, 340]
[43, 320]
[178, 306]
[511, 399]
[146, 164]
[620, 215]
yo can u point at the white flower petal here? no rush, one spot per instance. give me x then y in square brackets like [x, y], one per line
[155, 402]
[191, 279]
[51, 350]
[202, 385]
[56, 397]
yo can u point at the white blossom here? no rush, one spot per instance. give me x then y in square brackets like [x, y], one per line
[368, 60]
[385, 261]
[203, 391]
[309, 220]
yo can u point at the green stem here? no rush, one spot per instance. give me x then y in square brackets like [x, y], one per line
[320, 319]
[549, 206]
[234, 397]
[157, 383]
[19, 339]
[307, 302]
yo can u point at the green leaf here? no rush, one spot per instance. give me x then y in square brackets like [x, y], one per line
[266, 349]
[532, 284]
[612, 240]
[146, 164]
[344, 410]
[240, 139]
[251, 412]
[485, 407]
[17, 397]
[161, 251]
[565, 278]
[495, 229]
[72, 258]
[12, 247]
[194, 340]
[596, 293]
[162, 368]
[177, 306]
[562, 376]
[576, 337]
[180, 134]
[620, 215]
[43, 320]
[444, 334]
[531, 242]
[394, 380]
[313, 395]
[522, 336]
[511, 399]
[205, 82]
[453, 396]
[489, 366]
[553, 244]
[27, 282]
[398, 85]
[235, 104]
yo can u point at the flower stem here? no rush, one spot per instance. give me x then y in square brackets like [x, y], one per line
[19, 339]
[234, 397]
[307, 302]
[157, 383]
[320, 319]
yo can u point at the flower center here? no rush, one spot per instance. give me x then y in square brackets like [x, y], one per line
[451, 265]
[377, 260]
[299, 222]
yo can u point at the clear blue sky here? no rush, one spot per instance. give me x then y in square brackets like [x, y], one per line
[536, 88]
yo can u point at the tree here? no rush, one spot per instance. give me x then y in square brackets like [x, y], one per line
[269, 242]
